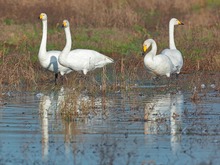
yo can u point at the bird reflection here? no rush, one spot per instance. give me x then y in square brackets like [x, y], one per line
[48, 107]
[176, 120]
[88, 111]
[156, 112]
[44, 106]
[163, 115]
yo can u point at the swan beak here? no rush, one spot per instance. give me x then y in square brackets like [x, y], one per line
[180, 23]
[64, 24]
[144, 50]
[41, 16]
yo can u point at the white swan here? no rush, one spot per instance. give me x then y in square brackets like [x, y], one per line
[49, 59]
[81, 59]
[174, 54]
[156, 64]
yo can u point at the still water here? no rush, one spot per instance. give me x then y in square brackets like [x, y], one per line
[127, 126]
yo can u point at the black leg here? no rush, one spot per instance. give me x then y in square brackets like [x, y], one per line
[177, 76]
[156, 79]
[62, 79]
[177, 79]
[56, 77]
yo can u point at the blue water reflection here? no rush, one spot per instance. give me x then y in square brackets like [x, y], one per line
[129, 129]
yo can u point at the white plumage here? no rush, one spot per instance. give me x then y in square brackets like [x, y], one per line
[84, 60]
[49, 59]
[174, 54]
[156, 64]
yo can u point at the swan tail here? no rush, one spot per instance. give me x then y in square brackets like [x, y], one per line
[104, 62]
[109, 60]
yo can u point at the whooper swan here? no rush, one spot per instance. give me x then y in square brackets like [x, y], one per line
[81, 59]
[174, 54]
[158, 65]
[49, 59]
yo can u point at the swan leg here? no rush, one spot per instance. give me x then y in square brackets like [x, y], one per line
[177, 79]
[156, 80]
[56, 77]
[177, 76]
[169, 81]
[62, 79]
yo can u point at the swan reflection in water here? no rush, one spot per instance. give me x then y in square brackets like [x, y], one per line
[52, 104]
[44, 107]
[163, 115]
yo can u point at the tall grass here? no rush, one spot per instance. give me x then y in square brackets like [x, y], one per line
[99, 13]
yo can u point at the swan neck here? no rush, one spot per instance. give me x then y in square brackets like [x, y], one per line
[152, 53]
[43, 44]
[67, 47]
[171, 36]
[154, 48]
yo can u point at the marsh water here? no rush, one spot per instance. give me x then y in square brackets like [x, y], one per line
[142, 124]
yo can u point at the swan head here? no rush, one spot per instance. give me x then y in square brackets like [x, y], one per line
[146, 45]
[65, 24]
[43, 16]
[175, 21]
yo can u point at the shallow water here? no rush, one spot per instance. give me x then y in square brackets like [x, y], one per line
[133, 126]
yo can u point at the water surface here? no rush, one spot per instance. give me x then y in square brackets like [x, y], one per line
[130, 126]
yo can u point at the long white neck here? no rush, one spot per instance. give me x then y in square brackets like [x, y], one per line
[171, 35]
[153, 51]
[42, 51]
[68, 45]
[153, 48]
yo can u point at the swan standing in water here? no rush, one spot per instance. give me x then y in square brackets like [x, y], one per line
[49, 59]
[158, 65]
[174, 54]
[81, 59]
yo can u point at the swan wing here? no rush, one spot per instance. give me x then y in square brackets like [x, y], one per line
[85, 59]
[163, 64]
[159, 65]
[176, 58]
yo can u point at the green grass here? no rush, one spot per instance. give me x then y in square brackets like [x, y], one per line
[8, 21]
[213, 3]
[109, 41]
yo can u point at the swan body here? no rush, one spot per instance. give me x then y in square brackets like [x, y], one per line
[156, 64]
[84, 60]
[174, 54]
[49, 59]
